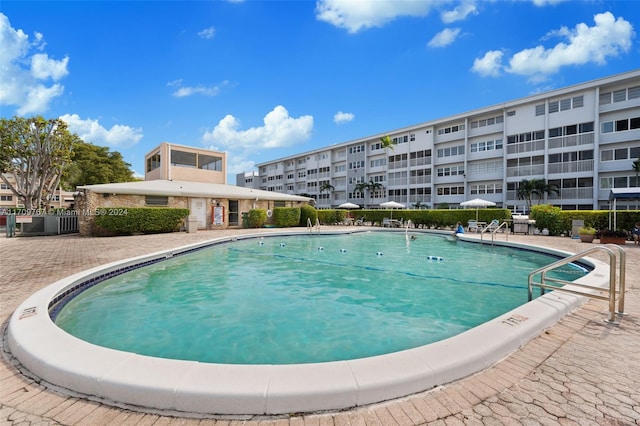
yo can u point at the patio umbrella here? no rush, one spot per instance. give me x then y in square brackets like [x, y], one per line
[391, 205]
[348, 206]
[477, 203]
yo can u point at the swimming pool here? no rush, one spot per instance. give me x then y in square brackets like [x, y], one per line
[190, 386]
[303, 299]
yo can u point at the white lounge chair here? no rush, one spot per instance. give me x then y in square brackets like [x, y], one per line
[472, 226]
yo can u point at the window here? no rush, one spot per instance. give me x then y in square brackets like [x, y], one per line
[578, 101]
[605, 98]
[634, 92]
[622, 125]
[379, 162]
[6, 197]
[554, 107]
[620, 95]
[183, 159]
[209, 162]
[153, 162]
[565, 104]
[540, 109]
[606, 127]
[156, 200]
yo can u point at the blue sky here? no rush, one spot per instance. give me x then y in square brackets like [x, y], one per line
[266, 79]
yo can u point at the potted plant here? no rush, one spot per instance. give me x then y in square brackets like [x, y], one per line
[587, 234]
[612, 236]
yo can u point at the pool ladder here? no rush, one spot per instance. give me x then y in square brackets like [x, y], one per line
[493, 231]
[311, 227]
[589, 291]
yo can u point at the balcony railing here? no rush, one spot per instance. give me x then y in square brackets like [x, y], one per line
[571, 167]
[516, 148]
[571, 140]
[424, 161]
[537, 169]
[398, 165]
[419, 180]
[573, 194]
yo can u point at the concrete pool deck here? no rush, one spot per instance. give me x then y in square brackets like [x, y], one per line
[580, 371]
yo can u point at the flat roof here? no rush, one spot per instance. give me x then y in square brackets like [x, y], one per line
[177, 188]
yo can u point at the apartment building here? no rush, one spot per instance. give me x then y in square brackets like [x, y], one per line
[59, 199]
[583, 139]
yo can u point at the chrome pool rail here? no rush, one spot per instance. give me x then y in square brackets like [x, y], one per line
[593, 292]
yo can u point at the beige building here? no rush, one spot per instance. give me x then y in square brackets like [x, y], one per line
[170, 161]
[214, 206]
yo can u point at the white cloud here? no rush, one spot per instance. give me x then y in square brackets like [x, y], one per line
[183, 91]
[92, 131]
[279, 130]
[609, 37]
[489, 65]
[24, 74]
[207, 33]
[444, 37]
[460, 13]
[43, 68]
[343, 117]
[362, 14]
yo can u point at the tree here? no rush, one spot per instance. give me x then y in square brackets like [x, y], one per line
[528, 189]
[94, 165]
[636, 168]
[387, 142]
[327, 187]
[362, 187]
[34, 153]
[370, 186]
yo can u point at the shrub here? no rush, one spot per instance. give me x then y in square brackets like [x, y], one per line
[257, 218]
[548, 216]
[587, 230]
[132, 220]
[328, 217]
[308, 212]
[285, 217]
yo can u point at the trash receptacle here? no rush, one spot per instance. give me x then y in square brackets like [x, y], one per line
[192, 224]
[245, 220]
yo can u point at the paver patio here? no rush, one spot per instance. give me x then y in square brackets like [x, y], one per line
[581, 371]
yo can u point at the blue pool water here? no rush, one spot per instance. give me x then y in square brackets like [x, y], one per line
[302, 299]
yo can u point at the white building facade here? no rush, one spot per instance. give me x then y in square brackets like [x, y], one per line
[582, 139]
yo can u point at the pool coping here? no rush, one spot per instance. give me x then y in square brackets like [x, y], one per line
[189, 386]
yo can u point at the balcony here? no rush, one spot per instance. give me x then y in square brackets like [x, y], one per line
[397, 165]
[571, 140]
[536, 170]
[416, 180]
[517, 148]
[571, 167]
[424, 161]
[585, 193]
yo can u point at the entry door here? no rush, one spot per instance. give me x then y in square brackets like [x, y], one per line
[233, 212]
[199, 210]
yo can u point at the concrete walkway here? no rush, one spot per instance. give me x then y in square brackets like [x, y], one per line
[581, 371]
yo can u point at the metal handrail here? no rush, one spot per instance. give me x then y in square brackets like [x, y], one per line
[493, 231]
[611, 297]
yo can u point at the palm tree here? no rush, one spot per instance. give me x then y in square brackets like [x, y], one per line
[527, 189]
[327, 187]
[374, 186]
[636, 168]
[362, 187]
[387, 142]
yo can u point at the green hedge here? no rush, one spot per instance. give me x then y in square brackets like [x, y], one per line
[329, 217]
[308, 212]
[257, 218]
[132, 220]
[285, 217]
[561, 220]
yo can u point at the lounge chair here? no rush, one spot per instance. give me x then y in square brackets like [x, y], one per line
[493, 225]
[472, 226]
[359, 221]
[386, 222]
